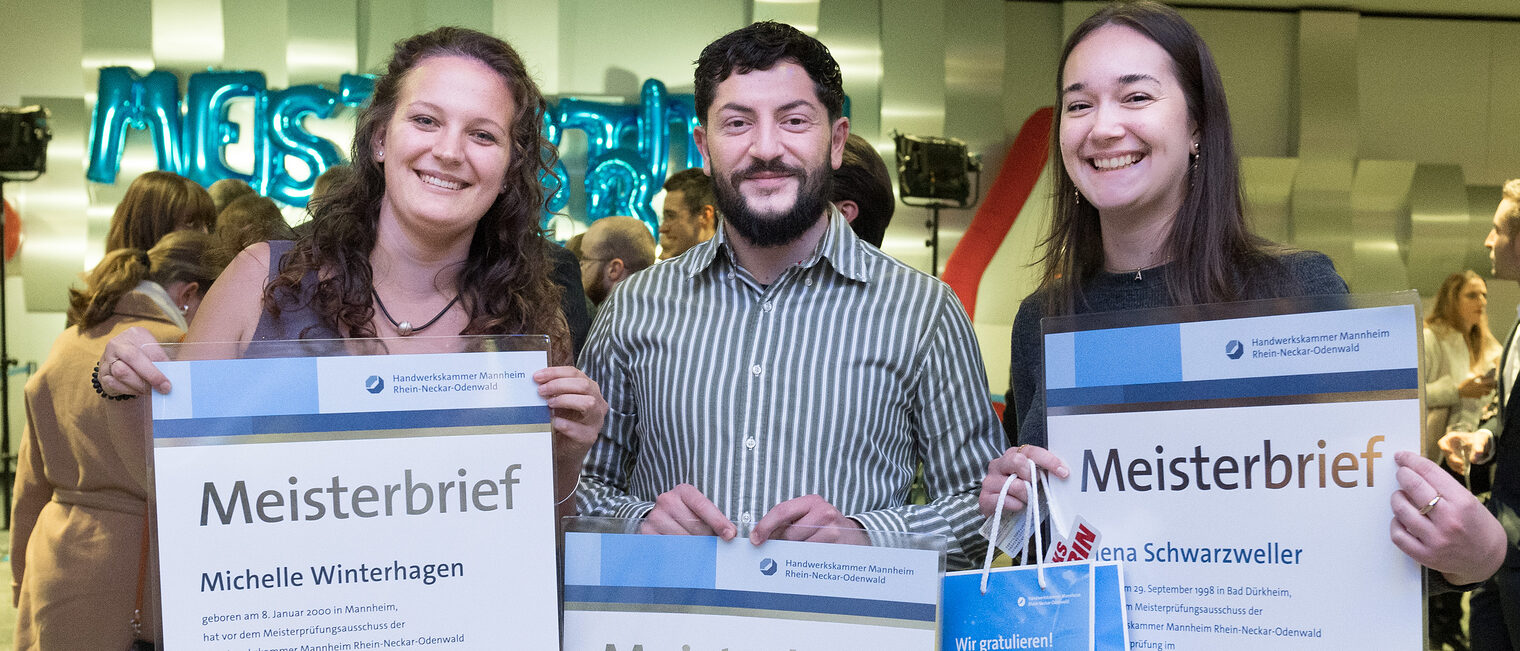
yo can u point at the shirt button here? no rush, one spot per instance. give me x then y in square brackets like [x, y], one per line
[745, 517]
[768, 306]
[808, 282]
[750, 443]
[755, 370]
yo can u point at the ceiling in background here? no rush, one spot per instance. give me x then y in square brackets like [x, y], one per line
[1477, 9]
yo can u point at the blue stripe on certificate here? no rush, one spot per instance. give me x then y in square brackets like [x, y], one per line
[385, 420]
[1139, 355]
[660, 561]
[1288, 385]
[277, 386]
[751, 600]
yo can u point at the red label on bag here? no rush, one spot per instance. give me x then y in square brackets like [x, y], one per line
[1084, 539]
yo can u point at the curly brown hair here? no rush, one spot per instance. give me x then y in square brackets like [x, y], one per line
[504, 284]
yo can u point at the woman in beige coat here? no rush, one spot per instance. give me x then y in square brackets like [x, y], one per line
[81, 479]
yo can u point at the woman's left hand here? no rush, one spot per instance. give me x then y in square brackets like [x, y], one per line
[1439, 523]
[577, 410]
[1015, 462]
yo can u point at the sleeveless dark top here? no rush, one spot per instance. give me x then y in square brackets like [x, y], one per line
[297, 320]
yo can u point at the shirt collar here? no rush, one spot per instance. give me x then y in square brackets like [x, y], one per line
[840, 247]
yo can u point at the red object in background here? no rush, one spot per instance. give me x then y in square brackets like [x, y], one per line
[1021, 170]
[12, 232]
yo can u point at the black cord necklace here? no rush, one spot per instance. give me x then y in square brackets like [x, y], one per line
[404, 328]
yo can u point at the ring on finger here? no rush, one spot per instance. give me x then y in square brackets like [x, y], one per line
[1431, 505]
[111, 368]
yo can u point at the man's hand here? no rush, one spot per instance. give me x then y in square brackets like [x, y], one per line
[684, 510]
[817, 520]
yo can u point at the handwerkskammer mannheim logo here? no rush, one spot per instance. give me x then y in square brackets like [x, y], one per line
[767, 566]
[374, 384]
[1234, 349]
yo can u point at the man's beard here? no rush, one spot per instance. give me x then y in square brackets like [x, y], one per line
[596, 293]
[813, 189]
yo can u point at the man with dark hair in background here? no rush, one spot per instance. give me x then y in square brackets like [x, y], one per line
[612, 250]
[863, 191]
[690, 214]
[784, 372]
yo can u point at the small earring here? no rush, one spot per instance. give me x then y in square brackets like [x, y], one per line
[184, 310]
[1193, 164]
[1077, 195]
[379, 154]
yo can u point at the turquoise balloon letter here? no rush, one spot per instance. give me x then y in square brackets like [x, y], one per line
[128, 101]
[286, 137]
[207, 129]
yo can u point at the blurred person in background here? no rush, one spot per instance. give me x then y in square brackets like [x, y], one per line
[1461, 356]
[156, 204]
[1461, 360]
[225, 191]
[689, 215]
[248, 220]
[614, 248]
[863, 191]
[80, 516]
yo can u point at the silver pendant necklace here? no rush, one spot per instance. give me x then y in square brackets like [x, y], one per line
[404, 328]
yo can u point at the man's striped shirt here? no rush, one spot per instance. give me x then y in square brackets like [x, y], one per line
[837, 380]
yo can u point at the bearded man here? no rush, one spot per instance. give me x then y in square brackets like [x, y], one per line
[784, 379]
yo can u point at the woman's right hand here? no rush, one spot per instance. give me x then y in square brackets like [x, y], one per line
[127, 366]
[1016, 462]
[1476, 386]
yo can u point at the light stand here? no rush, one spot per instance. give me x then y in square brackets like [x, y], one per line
[24, 135]
[7, 460]
[936, 170]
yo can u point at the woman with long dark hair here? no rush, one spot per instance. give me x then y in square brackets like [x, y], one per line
[436, 231]
[82, 490]
[1148, 213]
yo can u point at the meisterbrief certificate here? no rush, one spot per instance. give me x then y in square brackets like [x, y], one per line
[625, 592]
[356, 502]
[1239, 460]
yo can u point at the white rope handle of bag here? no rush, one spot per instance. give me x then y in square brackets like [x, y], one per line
[1032, 520]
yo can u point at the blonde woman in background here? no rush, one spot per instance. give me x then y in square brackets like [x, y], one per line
[1460, 361]
[1460, 357]
[82, 473]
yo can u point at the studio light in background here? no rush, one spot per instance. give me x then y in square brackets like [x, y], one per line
[936, 173]
[24, 136]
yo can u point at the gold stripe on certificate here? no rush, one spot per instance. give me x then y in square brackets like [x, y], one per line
[354, 435]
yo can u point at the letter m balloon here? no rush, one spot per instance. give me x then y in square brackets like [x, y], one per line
[129, 101]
